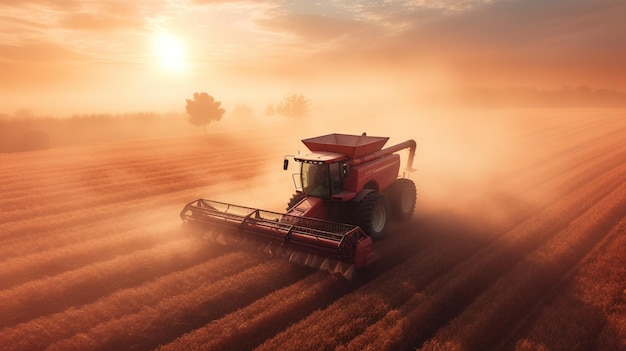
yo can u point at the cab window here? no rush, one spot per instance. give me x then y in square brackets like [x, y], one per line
[316, 179]
[335, 178]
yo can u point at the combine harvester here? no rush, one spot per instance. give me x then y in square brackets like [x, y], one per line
[347, 189]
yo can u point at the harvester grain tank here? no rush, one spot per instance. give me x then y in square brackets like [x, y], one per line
[347, 189]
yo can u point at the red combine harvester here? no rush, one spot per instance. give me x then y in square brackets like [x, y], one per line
[347, 190]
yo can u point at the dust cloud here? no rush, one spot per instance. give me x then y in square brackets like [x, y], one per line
[461, 165]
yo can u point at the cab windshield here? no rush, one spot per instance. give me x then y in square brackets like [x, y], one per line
[321, 180]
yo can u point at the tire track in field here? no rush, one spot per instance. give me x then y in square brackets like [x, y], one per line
[40, 332]
[428, 310]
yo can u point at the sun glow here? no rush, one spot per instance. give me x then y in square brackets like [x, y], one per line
[169, 51]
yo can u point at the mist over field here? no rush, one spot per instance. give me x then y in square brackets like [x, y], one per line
[114, 115]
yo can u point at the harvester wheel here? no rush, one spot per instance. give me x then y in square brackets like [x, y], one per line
[402, 194]
[371, 214]
[295, 198]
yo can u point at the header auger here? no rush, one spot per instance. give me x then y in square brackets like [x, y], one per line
[346, 191]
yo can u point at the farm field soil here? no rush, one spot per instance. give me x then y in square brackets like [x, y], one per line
[517, 243]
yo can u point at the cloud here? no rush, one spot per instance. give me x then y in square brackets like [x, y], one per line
[517, 38]
[65, 5]
[372, 44]
[312, 29]
[97, 22]
[532, 42]
[222, 2]
[38, 51]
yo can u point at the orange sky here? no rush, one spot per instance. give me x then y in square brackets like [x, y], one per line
[68, 56]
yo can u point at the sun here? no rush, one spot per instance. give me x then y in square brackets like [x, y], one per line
[169, 51]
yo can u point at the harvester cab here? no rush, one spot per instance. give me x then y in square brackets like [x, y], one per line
[349, 189]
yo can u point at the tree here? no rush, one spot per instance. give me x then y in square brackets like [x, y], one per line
[242, 114]
[203, 109]
[294, 106]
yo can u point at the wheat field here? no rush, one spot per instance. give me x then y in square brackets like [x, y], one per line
[522, 251]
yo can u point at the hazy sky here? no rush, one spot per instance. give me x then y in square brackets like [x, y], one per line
[71, 56]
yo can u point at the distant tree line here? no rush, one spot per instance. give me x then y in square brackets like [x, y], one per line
[25, 131]
[204, 109]
[523, 97]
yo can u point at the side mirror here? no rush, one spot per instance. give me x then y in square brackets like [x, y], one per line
[285, 164]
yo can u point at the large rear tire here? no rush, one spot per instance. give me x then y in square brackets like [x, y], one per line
[372, 215]
[402, 196]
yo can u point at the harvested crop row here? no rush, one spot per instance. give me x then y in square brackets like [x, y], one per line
[38, 333]
[249, 326]
[548, 188]
[114, 172]
[497, 308]
[86, 284]
[124, 151]
[78, 194]
[84, 162]
[553, 163]
[178, 314]
[105, 209]
[426, 311]
[527, 163]
[543, 132]
[86, 224]
[577, 316]
[131, 218]
[350, 315]
[404, 267]
[553, 141]
[62, 258]
[541, 185]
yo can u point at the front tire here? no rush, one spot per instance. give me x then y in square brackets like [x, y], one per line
[372, 215]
